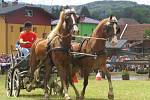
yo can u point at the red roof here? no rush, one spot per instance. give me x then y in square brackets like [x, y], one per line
[135, 32]
[129, 21]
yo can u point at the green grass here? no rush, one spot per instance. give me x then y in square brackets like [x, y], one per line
[96, 90]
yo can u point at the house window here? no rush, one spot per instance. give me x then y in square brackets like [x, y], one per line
[34, 29]
[11, 29]
[29, 13]
[21, 29]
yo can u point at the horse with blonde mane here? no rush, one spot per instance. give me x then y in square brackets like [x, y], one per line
[106, 29]
[54, 51]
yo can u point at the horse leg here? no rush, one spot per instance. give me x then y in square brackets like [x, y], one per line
[31, 72]
[37, 72]
[63, 77]
[67, 81]
[34, 76]
[85, 83]
[108, 75]
[61, 90]
[47, 76]
[71, 81]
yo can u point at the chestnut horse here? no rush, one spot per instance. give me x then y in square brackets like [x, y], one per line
[54, 51]
[106, 29]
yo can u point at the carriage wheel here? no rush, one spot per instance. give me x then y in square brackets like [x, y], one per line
[8, 83]
[16, 83]
[57, 87]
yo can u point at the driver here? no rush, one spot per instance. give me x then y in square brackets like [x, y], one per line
[27, 38]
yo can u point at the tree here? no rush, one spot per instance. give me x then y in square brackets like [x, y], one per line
[139, 13]
[85, 12]
[56, 12]
[147, 34]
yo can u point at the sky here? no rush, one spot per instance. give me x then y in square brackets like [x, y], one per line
[73, 2]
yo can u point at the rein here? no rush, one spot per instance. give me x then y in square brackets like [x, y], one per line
[87, 37]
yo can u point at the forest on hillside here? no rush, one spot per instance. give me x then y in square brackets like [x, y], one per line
[102, 9]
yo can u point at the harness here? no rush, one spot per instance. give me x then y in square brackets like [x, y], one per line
[98, 53]
[61, 48]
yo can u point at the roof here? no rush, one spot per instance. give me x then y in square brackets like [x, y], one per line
[54, 22]
[129, 21]
[135, 32]
[86, 20]
[119, 44]
[9, 9]
[90, 20]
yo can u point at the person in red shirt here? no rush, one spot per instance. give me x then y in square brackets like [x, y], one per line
[27, 38]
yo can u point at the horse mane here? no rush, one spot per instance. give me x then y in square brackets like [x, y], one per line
[58, 27]
[97, 29]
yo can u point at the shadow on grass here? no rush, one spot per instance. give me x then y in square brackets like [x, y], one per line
[53, 97]
[32, 96]
[41, 97]
[95, 99]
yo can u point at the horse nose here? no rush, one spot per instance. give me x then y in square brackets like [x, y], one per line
[76, 32]
[114, 41]
[75, 29]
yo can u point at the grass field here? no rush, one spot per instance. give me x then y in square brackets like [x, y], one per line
[96, 90]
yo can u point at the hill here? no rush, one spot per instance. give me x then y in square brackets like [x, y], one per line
[102, 9]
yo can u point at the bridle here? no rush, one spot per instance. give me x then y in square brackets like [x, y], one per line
[71, 26]
[107, 28]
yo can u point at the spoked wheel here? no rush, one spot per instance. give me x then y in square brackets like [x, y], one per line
[8, 83]
[55, 88]
[16, 83]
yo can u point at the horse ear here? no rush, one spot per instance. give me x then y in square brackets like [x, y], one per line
[67, 7]
[111, 16]
[62, 8]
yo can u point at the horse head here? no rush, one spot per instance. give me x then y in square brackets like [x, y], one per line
[70, 20]
[111, 29]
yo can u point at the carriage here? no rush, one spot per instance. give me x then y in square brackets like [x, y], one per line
[17, 77]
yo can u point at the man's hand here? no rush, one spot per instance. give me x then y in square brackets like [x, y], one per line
[24, 42]
[27, 42]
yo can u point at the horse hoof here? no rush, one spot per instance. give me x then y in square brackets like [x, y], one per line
[78, 98]
[46, 95]
[67, 97]
[81, 98]
[110, 96]
[29, 88]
